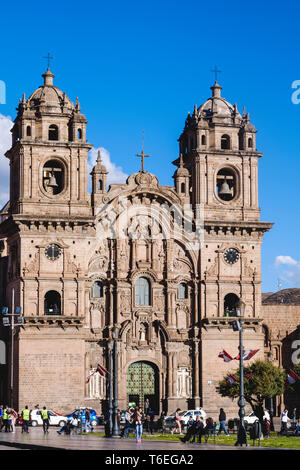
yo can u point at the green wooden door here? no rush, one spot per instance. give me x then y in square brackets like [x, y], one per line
[142, 384]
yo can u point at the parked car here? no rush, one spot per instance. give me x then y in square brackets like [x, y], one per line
[251, 418]
[95, 419]
[56, 419]
[170, 420]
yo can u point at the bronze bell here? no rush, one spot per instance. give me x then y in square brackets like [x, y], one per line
[52, 182]
[225, 191]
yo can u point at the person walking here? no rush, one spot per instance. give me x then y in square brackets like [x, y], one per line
[6, 419]
[178, 421]
[198, 429]
[12, 420]
[87, 420]
[222, 421]
[284, 422]
[25, 419]
[138, 418]
[190, 431]
[46, 419]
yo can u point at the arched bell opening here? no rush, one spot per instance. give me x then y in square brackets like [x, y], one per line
[230, 305]
[53, 177]
[52, 303]
[226, 184]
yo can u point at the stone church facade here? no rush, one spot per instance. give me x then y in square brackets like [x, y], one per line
[165, 264]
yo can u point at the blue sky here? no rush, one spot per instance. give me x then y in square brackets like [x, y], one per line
[142, 65]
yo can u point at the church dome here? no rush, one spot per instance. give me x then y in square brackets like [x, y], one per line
[218, 106]
[48, 98]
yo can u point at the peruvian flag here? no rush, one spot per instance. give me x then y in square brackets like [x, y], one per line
[247, 354]
[224, 355]
[291, 378]
[102, 371]
[231, 379]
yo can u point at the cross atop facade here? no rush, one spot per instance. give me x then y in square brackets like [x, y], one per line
[48, 57]
[216, 71]
[142, 155]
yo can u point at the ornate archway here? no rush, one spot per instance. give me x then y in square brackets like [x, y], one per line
[143, 385]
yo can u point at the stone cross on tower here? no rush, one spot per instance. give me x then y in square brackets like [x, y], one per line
[142, 155]
[48, 57]
[216, 71]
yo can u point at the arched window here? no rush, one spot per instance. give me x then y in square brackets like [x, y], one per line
[182, 291]
[182, 187]
[142, 291]
[79, 134]
[230, 304]
[97, 289]
[28, 131]
[266, 335]
[100, 185]
[52, 303]
[203, 140]
[250, 142]
[225, 142]
[53, 132]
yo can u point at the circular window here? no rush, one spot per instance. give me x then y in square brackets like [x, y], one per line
[226, 184]
[53, 251]
[53, 177]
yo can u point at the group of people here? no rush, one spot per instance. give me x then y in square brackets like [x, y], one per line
[197, 428]
[8, 417]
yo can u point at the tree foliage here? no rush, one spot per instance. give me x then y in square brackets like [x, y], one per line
[267, 381]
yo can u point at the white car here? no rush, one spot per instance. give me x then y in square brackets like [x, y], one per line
[55, 418]
[186, 414]
[251, 418]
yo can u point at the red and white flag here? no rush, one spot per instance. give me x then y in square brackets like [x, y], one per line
[102, 371]
[224, 355]
[247, 354]
[231, 379]
[291, 378]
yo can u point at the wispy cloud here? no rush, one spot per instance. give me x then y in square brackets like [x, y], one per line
[5, 143]
[288, 270]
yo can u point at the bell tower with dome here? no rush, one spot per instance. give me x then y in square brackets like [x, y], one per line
[218, 145]
[48, 158]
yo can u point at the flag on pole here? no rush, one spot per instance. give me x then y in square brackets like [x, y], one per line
[291, 378]
[102, 371]
[224, 355]
[231, 379]
[247, 354]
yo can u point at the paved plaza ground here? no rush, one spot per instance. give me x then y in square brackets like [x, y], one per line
[37, 440]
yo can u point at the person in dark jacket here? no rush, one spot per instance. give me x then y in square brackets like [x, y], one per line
[222, 420]
[199, 427]
[190, 432]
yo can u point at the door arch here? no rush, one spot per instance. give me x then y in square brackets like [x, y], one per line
[143, 384]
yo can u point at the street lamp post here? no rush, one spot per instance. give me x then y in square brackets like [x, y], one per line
[110, 358]
[9, 320]
[242, 435]
[271, 409]
[115, 335]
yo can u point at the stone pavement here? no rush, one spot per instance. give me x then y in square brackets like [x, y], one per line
[36, 440]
